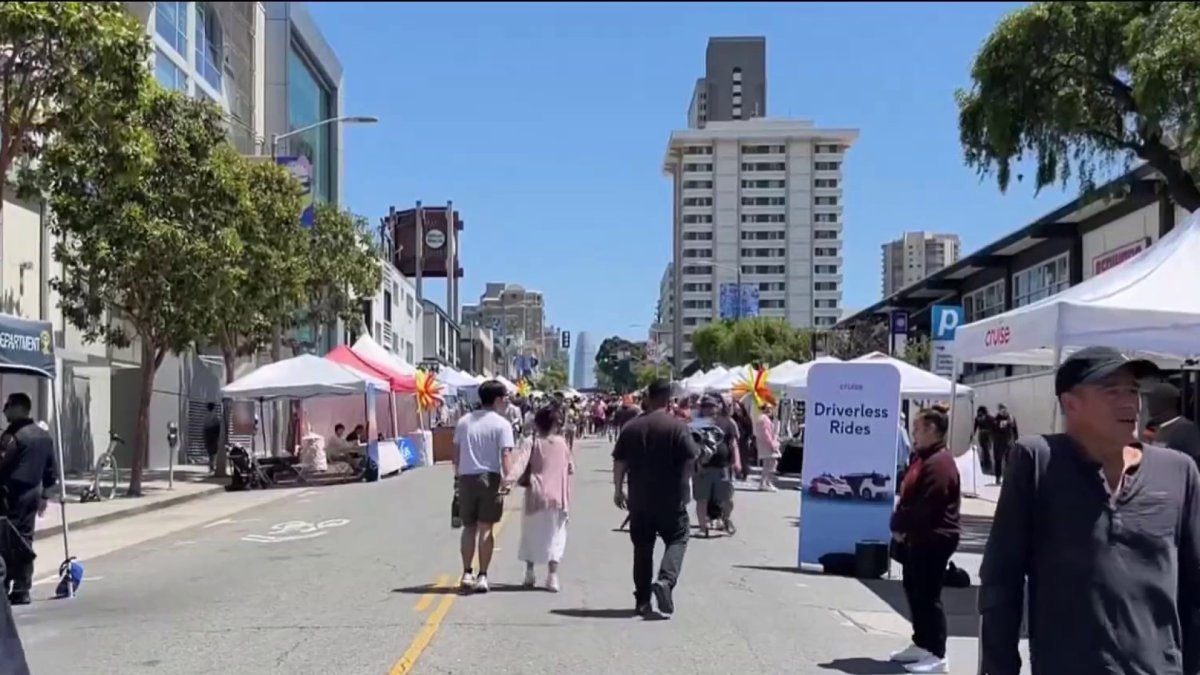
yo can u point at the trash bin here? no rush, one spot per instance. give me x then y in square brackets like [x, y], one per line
[871, 559]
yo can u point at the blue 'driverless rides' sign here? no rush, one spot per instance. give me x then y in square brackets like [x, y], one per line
[26, 346]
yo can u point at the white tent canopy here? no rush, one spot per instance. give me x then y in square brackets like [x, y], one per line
[512, 388]
[698, 383]
[1147, 304]
[794, 381]
[914, 382]
[304, 376]
[455, 378]
[727, 381]
[372, 351]
[779, 376]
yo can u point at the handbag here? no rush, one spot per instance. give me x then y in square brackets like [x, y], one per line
[525, 478]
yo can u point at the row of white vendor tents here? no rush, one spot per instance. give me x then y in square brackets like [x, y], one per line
[791, 379]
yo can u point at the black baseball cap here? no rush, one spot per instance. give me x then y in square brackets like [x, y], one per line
[1092, 364]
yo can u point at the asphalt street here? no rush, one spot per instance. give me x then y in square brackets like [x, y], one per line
[355, 579]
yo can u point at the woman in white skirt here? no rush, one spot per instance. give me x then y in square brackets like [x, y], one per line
[547, 482]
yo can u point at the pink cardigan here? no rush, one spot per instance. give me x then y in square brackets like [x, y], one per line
[551, 466]
[766, 440]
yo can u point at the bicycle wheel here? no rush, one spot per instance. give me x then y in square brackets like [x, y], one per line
[107, 477]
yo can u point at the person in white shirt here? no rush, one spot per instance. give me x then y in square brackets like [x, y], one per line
[483, 442]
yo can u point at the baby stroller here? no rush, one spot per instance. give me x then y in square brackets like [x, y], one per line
[248, 474]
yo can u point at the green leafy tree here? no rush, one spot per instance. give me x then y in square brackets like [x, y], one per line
[918, 351]
[763, 340]
[649, 372]
[553, 376]
[268, 282]
[141, 213]
[1084, 85]
[343, 269]
[65, 67]
[617, 362]
[859, 339]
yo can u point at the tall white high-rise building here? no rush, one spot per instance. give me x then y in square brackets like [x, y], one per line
[760, 202]
[915, 256]
[583, 375]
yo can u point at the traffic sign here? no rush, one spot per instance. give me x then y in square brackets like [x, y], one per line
[566, 339]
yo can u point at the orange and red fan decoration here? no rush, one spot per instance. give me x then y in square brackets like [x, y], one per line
[523, 388]
[429, 391]
[754, 386]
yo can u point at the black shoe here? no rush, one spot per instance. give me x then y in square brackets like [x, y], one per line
[15, 599]
[662, 597]
[643, 610]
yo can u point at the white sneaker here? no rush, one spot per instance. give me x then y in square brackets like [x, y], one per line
[552, 582]
[481, 584]
[910, 654]
[467, 581]
[530, 578]
[929, 664]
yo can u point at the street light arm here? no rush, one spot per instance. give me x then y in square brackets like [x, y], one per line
[358, 119]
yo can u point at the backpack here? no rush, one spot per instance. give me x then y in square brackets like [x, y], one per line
[711, 442]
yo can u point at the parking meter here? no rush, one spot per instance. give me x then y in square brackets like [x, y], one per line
[173, 444]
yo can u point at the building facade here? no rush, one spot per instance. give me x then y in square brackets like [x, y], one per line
[1083, 238]
[394, 317]
[515, 315]
[441, 336]
[583, 373]
[916, 255]
[734, 86]
[758, 202]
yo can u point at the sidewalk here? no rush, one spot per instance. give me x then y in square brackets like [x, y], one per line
[982, 505]
[191, 482]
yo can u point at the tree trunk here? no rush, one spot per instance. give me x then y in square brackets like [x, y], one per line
[1180, 184]
[151, 359]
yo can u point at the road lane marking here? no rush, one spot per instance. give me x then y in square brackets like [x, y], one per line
[434, 621]
[426, 600]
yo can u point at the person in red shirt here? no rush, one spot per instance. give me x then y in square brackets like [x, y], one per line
[925, 527]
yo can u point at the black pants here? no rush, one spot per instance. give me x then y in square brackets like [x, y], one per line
[22, 514]
[645, 527]
[1000, 448]
[12, 654]
[924, 575]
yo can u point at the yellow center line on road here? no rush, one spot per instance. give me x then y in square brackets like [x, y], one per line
[426, 600]
[434, 621]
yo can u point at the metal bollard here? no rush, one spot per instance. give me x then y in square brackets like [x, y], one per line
[173, 444]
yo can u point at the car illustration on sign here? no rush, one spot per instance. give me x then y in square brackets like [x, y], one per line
[828, 485]
[869, 486]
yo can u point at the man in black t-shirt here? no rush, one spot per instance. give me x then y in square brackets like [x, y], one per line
[657, 453]
[1166, 427]
[713, 482]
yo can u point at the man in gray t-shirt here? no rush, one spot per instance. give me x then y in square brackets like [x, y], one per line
[483, 443]
[1105, 531]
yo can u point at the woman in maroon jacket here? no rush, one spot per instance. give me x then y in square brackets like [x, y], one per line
[925, 527]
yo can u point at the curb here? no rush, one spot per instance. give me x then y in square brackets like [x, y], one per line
[84, 523]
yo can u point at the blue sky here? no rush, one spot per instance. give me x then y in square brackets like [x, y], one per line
[546, 124]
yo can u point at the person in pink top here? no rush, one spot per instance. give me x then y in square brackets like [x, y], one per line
[547, 497]
[767, 441]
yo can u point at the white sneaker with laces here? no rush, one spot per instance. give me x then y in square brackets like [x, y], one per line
[910, 654]
[929, 664]
[552, 584]
[481, 584]
[466, 581]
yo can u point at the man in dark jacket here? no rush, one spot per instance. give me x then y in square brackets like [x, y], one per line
[27, 472]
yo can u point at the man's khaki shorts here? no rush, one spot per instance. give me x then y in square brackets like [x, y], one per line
[479, 499]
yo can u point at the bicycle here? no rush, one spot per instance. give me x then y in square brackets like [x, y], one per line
[101, 488]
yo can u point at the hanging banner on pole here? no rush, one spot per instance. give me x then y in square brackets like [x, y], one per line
[302, 170]
[851, 440]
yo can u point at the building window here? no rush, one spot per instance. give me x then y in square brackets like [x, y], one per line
[698, 150]
[168, 74]
[763, 201]
[825, 286]
[697, 288]
[773, 235]
[767, 286]
[825, 303]
[698, 270]
[408, 305]
[826, 269]
[825, 234]
[827, 252]
[832, 149]
[697, 218]
[309, 102]
[764, 218]
[209, 44]
[737, 112]
[697, 236]
[763, 269]
[1041, 280]
[763, 184]
[824, 320]
[764, 253]
[694, 166]
[697, 252]
[827, 166]
[697, 304]
[697, 184]
[737, 75]
[985, 302]
[825, 217]
[697, 201]
[825, 201]
[771, 303]
[170, 22]
[763, 149]
[825, 183]
[764, 166]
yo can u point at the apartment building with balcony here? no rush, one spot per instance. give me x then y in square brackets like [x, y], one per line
[916, 255]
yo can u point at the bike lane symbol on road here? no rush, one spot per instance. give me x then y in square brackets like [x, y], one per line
[295, 530]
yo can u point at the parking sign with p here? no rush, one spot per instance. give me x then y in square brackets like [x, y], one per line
[945, 320]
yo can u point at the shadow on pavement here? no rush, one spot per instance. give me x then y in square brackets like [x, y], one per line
[862, 666]
[781, 568]
[430, 589]
[595, 613]
[960, 604]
